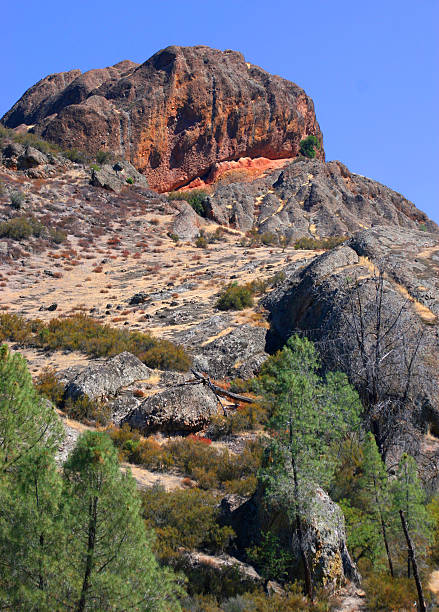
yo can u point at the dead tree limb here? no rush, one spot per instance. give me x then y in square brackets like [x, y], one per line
[220, 391]
[412, 558]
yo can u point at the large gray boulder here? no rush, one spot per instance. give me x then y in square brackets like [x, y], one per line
[31, 158]
[224, 350]
[338, 299]
[323, 527]
[187, 223]
[115, 177]
[240, 353]
[177, 409]
[104, 380]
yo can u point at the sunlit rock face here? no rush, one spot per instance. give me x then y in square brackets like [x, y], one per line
[174, 116]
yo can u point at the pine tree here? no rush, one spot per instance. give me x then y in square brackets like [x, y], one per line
[375, 484]
[31, 534]
[27, 421]
[109, 562]
[309, 416]
[409, 496]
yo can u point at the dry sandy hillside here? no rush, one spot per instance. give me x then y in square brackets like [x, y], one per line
[117, 246]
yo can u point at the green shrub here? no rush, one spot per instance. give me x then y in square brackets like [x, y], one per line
[309, 145]
[16, 199]
[57, 235]
[48, 385]
[103, 157]
[184, 518]
[78, 157]
[201, 241]
[315, 244]
[235, 297]
[269, 238]
[130, 180]
[195, 197]
[271, 560]
[95, 167]
[19, 228]
[386, 593]
[28, 139]
[81, 333]
[194, 457]
[87, 411]
[277, 279]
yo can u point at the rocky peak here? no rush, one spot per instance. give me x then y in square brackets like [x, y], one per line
[175, 116]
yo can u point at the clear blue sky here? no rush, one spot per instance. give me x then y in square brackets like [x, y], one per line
[371, 67]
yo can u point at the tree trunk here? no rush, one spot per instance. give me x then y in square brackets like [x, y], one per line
[306, 568]
[411, 553]
[383, 531]
[90, 553]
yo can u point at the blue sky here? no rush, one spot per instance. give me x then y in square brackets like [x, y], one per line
[370, 67]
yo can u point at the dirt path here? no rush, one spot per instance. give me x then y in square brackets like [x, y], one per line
[352, 599]
[146, 478]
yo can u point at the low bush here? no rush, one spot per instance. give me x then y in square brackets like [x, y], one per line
[20, 228]
[57, 235]
[194, 457]
[78, 157]
[81, 333]
[246, 417]
[129, 180]
[184, 518]
[195, 197]
[277, 279]
[235, 297]
[309, 145]
[103, 157]
[48, 385]
[319, 243]
[386, 593]
[16, 199]
[87, 411]
[292, 600]
[201, 241]
[28, 139]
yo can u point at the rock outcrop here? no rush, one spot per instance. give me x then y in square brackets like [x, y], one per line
[313, 199]
[173, 117]
[324, 533]
[178, 409]
[104, 380]
[339, 299]
[114, 177]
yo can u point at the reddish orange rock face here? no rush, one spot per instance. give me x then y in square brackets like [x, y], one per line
[174, 117]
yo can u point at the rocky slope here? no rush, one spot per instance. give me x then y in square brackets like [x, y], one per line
[174, 116]
[310, 198]
[102, 242]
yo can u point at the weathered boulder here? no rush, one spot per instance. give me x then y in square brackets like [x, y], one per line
[186, 224]
[179, 409]
[12, 149]
[235, 576]
[31, 158]
[103, 380]
[117, 176]
[239, 353]
[342, 292]
[324, 536]
[174, 116]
